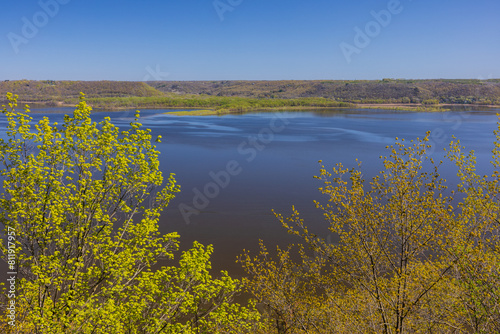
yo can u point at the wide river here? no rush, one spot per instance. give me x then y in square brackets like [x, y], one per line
[235, 169]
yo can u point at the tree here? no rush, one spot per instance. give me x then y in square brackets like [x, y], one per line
[289, 292]
[74, 202]
[406, 258]
[477, 272]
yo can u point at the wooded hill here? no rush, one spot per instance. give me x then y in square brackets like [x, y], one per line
[49, 91]
[227, 94]
[358, 91]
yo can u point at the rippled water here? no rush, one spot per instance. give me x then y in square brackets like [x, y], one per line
[246, 165]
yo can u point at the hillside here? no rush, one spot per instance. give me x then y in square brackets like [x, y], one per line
[54, 92]
[358, 91]
[234, 96]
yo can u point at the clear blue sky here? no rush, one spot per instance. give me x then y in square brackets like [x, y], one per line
[248, 39]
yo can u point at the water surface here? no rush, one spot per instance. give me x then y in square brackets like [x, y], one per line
[247, 165]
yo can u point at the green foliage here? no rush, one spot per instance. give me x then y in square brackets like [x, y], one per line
[431, 101]
[219, 103]
[75, 194]
[477, 272]
[289, 291]
[406, 258]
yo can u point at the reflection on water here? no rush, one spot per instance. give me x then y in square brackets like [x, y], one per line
[276, 156]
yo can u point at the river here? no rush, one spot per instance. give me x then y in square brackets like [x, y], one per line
[235, 169]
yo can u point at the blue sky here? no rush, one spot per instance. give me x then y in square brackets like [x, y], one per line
[248, 39]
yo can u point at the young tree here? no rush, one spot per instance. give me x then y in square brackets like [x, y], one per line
[288, 291]
[477, 272]
[404, 260]
[74, 207]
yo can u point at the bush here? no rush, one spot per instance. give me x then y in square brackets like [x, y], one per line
[405, 257]
[85, 242]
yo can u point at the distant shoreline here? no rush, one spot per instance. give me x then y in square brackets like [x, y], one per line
[418, 107]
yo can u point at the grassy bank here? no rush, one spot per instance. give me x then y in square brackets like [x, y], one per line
[218, 104]
[221, 105]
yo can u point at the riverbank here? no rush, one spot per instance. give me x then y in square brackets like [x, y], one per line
[211, 111]
[399, 107]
